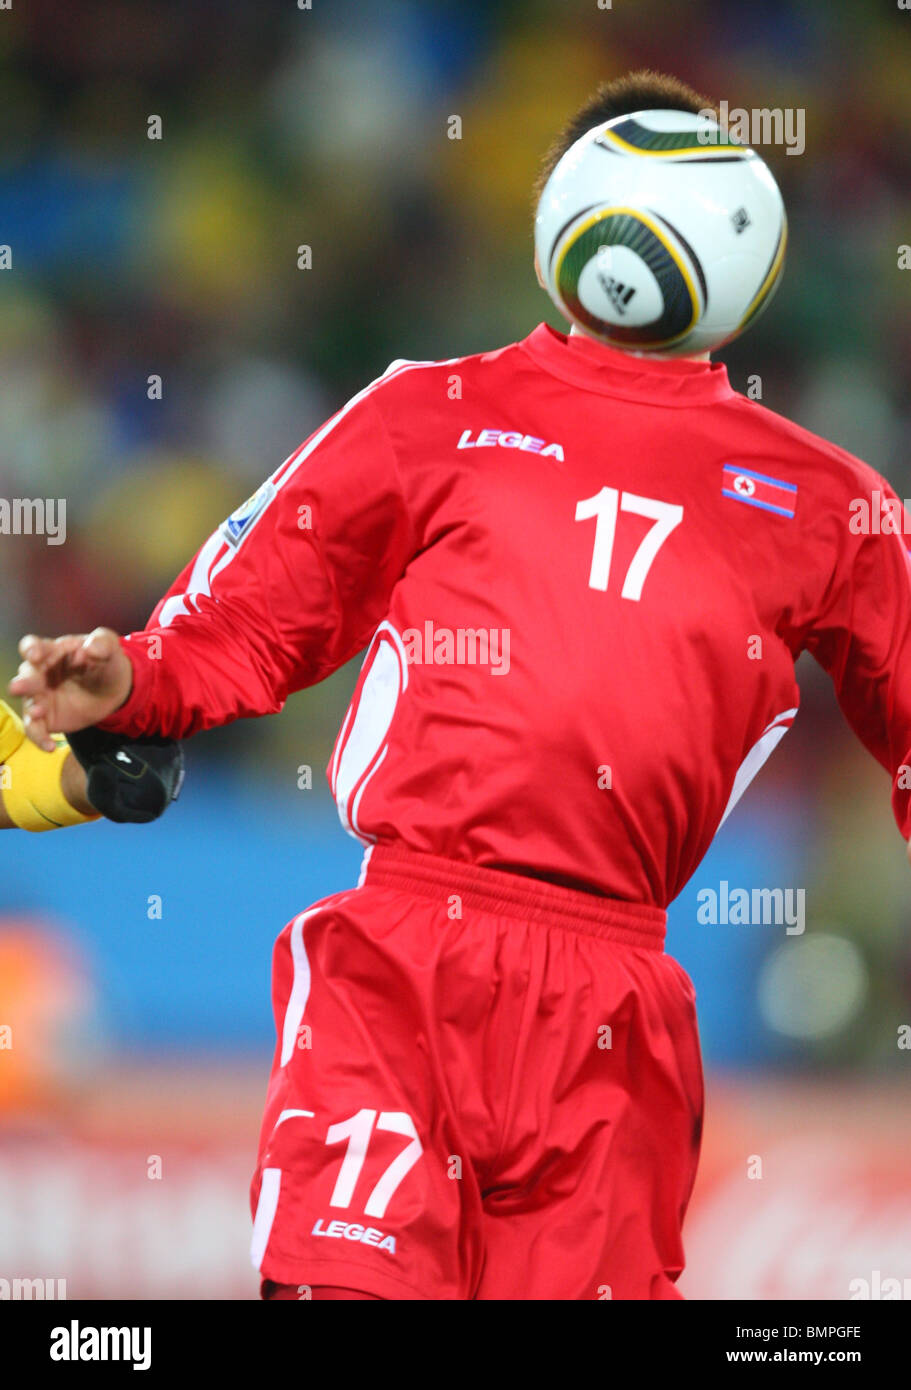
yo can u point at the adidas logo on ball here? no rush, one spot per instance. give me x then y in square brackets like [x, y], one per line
[619, 295]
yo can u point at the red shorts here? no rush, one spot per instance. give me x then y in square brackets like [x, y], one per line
[485, 1087]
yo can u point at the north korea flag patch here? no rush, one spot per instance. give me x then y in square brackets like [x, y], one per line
[758, 490]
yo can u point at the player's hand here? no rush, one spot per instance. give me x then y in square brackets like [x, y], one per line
[69, 683]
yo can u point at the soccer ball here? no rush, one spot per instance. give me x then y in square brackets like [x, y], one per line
[658, 233]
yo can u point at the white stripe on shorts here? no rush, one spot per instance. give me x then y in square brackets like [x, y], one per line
[266, 1208]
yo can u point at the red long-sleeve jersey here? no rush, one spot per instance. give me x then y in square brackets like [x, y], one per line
[582, 579]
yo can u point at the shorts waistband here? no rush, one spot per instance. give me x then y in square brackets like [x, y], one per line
[502, 893]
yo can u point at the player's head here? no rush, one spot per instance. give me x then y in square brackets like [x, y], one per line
[643, 90]
[655, 231]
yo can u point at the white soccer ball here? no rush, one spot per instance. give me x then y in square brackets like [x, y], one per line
[656, 232]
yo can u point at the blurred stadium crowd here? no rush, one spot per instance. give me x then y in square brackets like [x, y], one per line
[177, 258]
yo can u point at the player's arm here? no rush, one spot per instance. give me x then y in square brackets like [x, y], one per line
[39, 790]
[72, 787]
[88, 775]
[862, 638]
[287, 590]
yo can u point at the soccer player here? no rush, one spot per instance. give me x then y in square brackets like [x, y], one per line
[487, 1079]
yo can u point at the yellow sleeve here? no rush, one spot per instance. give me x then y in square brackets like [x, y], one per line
[30, 779]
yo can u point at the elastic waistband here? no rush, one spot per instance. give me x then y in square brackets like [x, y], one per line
[505, 894]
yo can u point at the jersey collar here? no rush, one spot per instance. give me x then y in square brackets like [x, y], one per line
[585, 362]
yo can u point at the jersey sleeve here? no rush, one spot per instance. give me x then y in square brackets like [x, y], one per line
[291, 586]
[862, 636]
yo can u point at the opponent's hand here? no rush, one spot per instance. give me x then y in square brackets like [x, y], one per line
[69, 683]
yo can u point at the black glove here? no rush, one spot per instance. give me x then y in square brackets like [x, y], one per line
[129, 780]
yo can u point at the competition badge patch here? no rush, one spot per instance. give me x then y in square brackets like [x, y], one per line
[240, 521]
